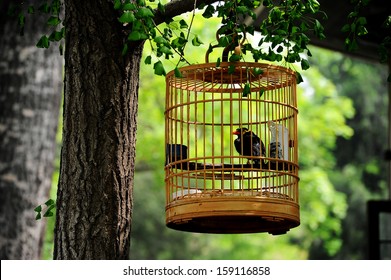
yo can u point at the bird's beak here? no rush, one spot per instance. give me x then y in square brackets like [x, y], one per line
[236, 132]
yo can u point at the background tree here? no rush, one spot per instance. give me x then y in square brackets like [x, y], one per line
[361, 171]
[30, 95]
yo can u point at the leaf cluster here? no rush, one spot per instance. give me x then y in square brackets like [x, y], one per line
[356, 28]
[138, 17]
[52, 10]
[47, 209]
[283, 32]
[356, 25]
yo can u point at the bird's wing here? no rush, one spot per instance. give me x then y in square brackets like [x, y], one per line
[256, 149]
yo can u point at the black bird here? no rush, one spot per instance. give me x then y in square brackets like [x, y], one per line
[249, 144]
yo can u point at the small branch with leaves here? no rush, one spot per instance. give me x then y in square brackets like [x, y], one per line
[45, 210]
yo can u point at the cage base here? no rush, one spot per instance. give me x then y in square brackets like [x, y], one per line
[233, 215]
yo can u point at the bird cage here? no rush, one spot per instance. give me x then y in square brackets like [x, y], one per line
[219, 182]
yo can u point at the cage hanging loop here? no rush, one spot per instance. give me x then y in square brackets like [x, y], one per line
[231, 46]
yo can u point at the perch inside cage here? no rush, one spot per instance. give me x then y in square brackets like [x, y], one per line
[231, 149]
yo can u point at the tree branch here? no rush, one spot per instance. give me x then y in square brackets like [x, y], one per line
[178, 7]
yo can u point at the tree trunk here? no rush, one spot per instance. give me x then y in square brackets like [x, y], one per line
[30, 95]
[94, 200]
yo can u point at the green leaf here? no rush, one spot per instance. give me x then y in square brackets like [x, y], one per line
[137, 35]
[231, 69]
[117, 4]
[38, 216]
[43, 42]
[361, 21]
[129, 7]
[144, 12]
[352, 45]
[49, 202]
[178, 42]
[183, 24]
[148, 60]
[160, 40]
[209, 11]
[31, 10]
[161, 8]
[55, 7]
[159, 69]
[261, 92]
[242, 9]
[165, 50]
[299, 78]
[246, 90]
[318, 28]
[362, 31]
[305, 64]
[234, 58]
[177, 73]
[257, 71]
[196, 41]
[56, 36]
[218, 62]
[49, 212]
[53, 21]
[345, 28]
[224, 41]
[21, 19]
[38, 208]
[127, 17]
[173, 25]
[125, 50]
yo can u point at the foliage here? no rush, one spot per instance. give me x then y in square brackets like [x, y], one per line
[356, 27]
[360, 171]
[47, 209]
[322, 118]
[52, 10]
[283, 31]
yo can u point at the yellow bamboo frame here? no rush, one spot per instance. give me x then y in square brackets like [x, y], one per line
[209, 186]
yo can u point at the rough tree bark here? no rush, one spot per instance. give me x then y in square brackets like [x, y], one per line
[97, 158]
[30, 95]
[94, 200]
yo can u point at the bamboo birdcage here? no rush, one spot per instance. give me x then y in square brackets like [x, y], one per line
[210, 187]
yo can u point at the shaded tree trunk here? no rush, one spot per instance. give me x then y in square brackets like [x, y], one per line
[30, 95]
[94, 201]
